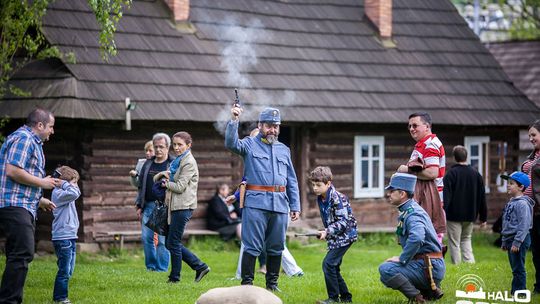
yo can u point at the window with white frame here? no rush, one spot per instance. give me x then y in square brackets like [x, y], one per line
[478, 155]
[368, 166]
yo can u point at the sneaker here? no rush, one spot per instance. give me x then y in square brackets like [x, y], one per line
[171, 281]
[298, 274]
[64, 301]
[201, 273]
[327, 301]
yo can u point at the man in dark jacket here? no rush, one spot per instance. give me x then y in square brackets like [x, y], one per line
[464, 201]
[156, 256]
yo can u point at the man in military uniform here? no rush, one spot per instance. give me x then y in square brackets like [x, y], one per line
[420, 268]
[271, 193]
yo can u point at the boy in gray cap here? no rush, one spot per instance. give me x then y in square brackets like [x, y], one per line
[419, 270]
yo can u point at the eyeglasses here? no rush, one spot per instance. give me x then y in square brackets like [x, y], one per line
[414, 126]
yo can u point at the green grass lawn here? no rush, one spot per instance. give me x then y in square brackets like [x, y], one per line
[121, 277]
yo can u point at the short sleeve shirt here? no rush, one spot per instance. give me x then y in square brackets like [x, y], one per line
[431, 151]
[22, 149]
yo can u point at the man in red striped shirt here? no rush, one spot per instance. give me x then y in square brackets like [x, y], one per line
[430, 150]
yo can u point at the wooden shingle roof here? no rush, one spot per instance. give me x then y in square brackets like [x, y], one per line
[520, 60]
[317, 60]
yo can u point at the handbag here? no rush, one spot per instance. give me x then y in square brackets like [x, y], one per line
[158, 219]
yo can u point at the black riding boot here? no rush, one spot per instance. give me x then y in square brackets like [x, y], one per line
[248, 268]
[401, 283]
[273, 264]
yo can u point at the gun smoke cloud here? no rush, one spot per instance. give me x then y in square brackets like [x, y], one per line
[238, 56]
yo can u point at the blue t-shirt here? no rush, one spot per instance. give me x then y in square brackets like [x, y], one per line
[155, 168]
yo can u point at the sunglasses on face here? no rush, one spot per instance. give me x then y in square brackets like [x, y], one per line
[414, 126]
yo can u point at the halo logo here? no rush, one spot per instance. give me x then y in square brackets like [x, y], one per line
[472, 287]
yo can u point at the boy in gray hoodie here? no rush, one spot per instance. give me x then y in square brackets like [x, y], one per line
[64, 230]
[517, 221]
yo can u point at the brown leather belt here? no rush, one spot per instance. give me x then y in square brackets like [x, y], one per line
[433, 255]
[275, 188]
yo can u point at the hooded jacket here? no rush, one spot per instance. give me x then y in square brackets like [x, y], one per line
[517, 220]
[66, 222]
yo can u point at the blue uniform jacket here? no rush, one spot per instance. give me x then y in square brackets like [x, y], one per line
[338, 219]
[415, 231]
[265, 165]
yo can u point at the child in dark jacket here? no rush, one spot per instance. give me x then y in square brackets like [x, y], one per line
[517, 221]
[64, 230]
[340, 232]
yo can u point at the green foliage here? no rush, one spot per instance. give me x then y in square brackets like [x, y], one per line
[20, 20]
[22, 39]
[108, 13]
[3, 122]
[524, 16]
[527, 25]
[122, 278]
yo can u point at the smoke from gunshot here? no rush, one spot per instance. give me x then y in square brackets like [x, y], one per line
[238, 56]
[239, 53]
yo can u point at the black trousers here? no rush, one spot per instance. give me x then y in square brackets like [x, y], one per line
[535, 247]
[19, 227]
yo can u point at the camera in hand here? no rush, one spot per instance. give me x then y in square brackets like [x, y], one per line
[56, 174]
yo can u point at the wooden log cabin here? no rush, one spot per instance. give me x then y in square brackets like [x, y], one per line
[344, 78]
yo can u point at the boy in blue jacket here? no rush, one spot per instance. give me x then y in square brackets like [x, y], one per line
[517, 221]
[64, 230]
[340, 232]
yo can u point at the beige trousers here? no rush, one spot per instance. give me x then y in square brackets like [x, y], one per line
[459, 241]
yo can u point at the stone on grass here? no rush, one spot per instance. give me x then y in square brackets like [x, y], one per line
[244, 294]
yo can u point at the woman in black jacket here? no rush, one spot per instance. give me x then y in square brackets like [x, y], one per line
[223, 218]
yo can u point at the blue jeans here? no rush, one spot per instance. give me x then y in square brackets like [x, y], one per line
[517, 263]
[335, 285]
[179, 253]
[155, 258]
[66, 252]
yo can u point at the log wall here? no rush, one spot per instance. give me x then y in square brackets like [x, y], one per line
[109, 197]
[104, 153]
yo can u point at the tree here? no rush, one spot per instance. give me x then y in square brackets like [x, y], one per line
[22, 39]
[527, 24]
